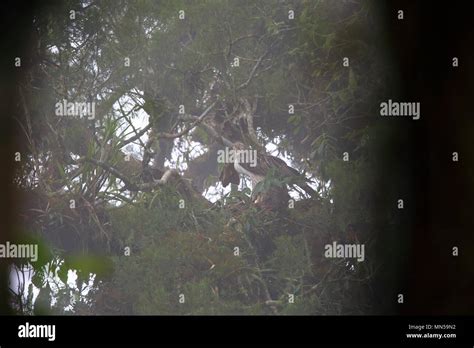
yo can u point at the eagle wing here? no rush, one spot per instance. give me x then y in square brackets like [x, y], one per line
[229, 175]
[265, 162]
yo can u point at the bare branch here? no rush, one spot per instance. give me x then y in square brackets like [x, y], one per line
[129, 183]
[254, 69]
[196, 121]
[135, 137]
[210, 130]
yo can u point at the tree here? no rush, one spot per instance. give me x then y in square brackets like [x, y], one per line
[169, 83]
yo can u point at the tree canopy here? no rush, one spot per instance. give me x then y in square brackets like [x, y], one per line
[129, 198]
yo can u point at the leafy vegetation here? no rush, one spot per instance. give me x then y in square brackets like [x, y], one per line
[139, 243]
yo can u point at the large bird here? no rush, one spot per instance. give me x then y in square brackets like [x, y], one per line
[257, 170]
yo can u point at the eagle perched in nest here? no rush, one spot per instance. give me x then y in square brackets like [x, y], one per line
[276, 197]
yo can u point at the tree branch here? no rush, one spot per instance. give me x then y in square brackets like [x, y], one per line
[127, 181]
[254, 69]
[185, 131]
[135, 137]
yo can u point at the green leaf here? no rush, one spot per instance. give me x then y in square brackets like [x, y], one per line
[99, 265]
[294, 119]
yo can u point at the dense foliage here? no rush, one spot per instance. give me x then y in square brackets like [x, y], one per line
[137, 246]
